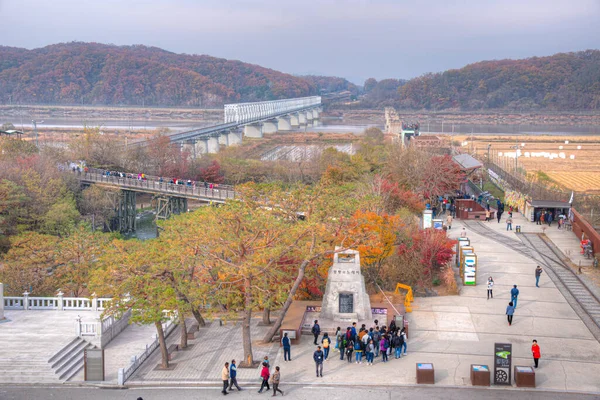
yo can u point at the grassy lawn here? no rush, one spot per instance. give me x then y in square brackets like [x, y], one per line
[494, 190]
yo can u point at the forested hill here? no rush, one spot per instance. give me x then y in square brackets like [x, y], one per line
[92, 73]
[562, 82]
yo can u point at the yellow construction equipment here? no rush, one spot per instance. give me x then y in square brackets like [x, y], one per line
[407, 298]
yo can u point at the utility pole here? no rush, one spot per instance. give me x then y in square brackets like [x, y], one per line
[34, 122]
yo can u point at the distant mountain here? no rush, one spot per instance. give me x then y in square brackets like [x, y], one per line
[93, 73]
[330, 84]
[562, 82]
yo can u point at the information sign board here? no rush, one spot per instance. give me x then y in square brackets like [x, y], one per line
[470, 269]
[502, 363]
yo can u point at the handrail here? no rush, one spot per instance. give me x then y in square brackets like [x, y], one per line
[409, 295]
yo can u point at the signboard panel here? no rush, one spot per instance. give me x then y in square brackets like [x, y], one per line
[427, 219]
[470, 269]
[93, 365]
[461, 254]
[502, 363]
[438, 224]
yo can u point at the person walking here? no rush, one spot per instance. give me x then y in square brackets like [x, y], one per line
[463, 233]
[318, 357]
[376, 340]
[535, 350]
[275, 380]
[264, 374]
[549, 219]
[326, 342]
[538, 273]
[490, 286]
[225, 378]
[510, 310]
[487, 215]
[316, 331]
[509, 223]
[514, 294]
[449, 221]
[343, 343]
[232, 377]
[287, 348]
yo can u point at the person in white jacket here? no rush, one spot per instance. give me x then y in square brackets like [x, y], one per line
[490, 285]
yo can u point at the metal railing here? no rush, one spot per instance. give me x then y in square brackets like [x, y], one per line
[217, 193]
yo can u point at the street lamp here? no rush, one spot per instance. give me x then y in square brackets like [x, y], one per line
[517, 147]
[34, 122]
[488, 155]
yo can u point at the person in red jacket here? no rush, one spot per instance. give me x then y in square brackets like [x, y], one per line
[264, 374]
[535, 350]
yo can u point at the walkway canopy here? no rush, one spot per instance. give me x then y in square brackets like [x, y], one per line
[467, 163]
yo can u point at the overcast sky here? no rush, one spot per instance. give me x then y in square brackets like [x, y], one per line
[355, 39]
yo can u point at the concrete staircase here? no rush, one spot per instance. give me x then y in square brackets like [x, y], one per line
[68, 362]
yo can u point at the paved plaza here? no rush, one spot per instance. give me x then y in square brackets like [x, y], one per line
[452, 332]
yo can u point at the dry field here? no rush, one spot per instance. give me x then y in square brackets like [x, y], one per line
[582, 173]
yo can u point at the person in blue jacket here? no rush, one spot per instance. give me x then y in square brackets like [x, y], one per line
[286, 347]
[514, 294]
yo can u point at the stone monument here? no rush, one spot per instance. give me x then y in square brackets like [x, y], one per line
[346, 297]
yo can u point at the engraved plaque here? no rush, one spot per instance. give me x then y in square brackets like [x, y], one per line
[346, 303]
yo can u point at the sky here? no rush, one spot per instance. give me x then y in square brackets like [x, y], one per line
[354, 39]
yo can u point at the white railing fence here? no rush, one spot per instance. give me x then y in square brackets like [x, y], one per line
[125, 373]
[59, 302]
[245, 112]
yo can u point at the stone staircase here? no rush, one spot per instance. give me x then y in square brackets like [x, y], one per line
[68, 362]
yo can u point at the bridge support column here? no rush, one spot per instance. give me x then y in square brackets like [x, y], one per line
[294, 120]
[126, 211]
[201, 146]
[315, 113]
[189, 147]
[284, 124]
[253, 130]
[270, 127]
[234, 138]
[213, 145]
[301, 118]
[224, 138]
[166, 206]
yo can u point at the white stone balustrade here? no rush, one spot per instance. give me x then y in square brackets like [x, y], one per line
[55, 303]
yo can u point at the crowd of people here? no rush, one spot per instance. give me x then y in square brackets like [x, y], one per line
[353, 345]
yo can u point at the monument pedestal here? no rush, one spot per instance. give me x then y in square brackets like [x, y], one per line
[346, 297]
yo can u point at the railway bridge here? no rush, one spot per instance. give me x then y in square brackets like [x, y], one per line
[250, 120]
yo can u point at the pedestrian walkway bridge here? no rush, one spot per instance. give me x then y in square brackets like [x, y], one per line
[154, 185]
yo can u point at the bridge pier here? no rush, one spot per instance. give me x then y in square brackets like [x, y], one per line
[212, 145]
[284, 124]
[234, 137]
[301, 118]
[224, 138]
[201, 146]
[315, 113]
[253, 130]
[270, 126]
[126, 211]
[168, 205]
[294, 120]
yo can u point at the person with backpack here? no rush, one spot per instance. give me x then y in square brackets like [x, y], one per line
[326, 342]
[376, 340]
[370, 352]
[287, 347]
[343, 344]
[397, 344]
[318, 357]
[384, 345]
[404, 339]
[349, 350]
[358, 350]
[316, 331]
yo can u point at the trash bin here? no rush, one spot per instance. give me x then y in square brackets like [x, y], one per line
[518, 228]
